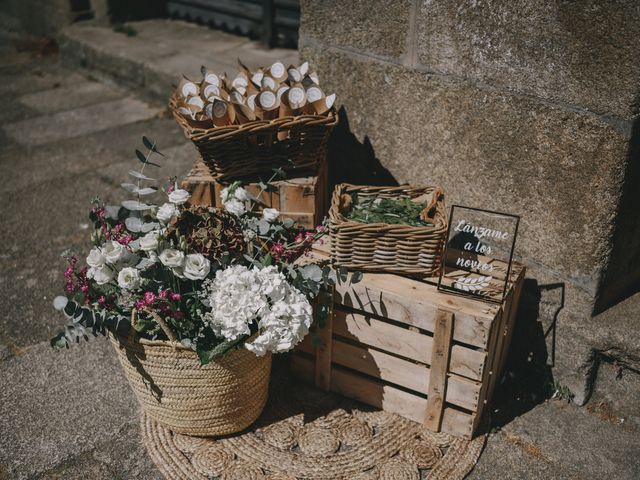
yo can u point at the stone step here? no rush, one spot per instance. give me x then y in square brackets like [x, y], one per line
[152, 61]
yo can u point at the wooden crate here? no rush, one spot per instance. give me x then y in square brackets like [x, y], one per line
[305, 199]
[401, 345]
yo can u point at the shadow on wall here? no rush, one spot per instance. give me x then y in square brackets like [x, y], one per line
[527, 379]
[622, 277]
[353, 162]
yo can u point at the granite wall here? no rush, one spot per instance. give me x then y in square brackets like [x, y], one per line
[524, 106]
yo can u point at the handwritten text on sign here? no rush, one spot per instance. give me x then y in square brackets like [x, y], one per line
[478, 252]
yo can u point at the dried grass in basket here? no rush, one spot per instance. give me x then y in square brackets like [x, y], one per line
[382, 247]
[220, 398]
[236, 151]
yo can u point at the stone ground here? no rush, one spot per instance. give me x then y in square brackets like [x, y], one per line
[65, 137]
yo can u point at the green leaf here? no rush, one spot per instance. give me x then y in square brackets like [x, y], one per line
[143, 158]
[279, 172]
[343, 273]
[356, 277]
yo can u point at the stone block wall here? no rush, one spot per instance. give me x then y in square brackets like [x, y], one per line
[524, 106]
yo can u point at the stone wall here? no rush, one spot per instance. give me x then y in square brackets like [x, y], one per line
[521, 106]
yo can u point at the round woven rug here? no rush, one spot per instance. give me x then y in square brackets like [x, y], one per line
[308, 434]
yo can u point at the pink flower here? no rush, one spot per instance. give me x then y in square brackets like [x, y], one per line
[164, 293]
[299, 238]
[149, 298]
[176, 297]
[170, 189]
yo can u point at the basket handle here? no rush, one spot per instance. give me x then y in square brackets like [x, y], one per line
[429, 212]
[163, 325]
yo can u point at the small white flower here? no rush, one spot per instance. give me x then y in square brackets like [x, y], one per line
[179, 196]
[172, 258]
[196, 266]
[270, 214]
[129, 279]
[95, 258]
[235, 207]
[149, 242]
[100, 275]
[241, 194]
[113, 252]
[166, 212]
[224, 194]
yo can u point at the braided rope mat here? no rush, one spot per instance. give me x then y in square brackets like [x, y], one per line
[306, 434]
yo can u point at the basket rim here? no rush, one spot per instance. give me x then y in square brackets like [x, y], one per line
[254, 126]
[339, 221]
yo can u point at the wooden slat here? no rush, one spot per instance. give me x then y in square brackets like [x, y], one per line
[438, 375]
[324, 355]
[386, 336]
[460, 391]
[415, 303]
[383, 396]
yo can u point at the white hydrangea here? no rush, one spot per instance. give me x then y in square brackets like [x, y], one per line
[239, 296]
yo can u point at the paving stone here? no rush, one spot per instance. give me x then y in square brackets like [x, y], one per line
[81, 121]
[65, 404]
[69, 96]
[38, 75]
[84, 154]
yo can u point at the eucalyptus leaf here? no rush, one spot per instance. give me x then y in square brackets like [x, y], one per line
[134, 205]
[263, 226]
[312, 272]
[140, 176]
[143, 158]
[133, 224]
[356, 277]
[146, 191]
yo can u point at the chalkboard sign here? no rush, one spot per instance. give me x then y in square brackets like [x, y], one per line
[478, 253]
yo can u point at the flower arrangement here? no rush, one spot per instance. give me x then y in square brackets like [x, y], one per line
[210, 279]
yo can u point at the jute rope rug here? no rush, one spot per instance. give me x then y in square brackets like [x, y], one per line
[305, 434]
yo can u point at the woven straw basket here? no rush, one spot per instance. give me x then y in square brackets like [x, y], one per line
[381, 247]
[235, 151]
[222, 397]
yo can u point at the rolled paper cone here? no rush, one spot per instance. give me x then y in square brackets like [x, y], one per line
[278, 72]
[294, 75]
[256, 78]
[281, 90]
[194, 116]
[244, 114]
[210, 90]
[296, 97]
[221, 112]
[197, 101]
[251, 89]
[209, 78]
[314, 76]
[314, 93]
[236, 97]
[323, 105]
[187, 88]
[268, 103]
[309, 80]
[269, 82]
[251, 101]
[304, 68]
[240, 81]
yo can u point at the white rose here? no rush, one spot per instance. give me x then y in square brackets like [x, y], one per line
[113, 252]
[100, 275]
[179, 196]
[166, 212]
[95, 258]
[270, 214]
[172, 258]
[149, 242]
[196, 267]
[241, 194]
[235, 207]
[129, 279]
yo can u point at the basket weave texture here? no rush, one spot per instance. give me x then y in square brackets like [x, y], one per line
[236, 151]
[222, 397]
[382, 247]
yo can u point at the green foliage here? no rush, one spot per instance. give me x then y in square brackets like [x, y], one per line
[386, 210]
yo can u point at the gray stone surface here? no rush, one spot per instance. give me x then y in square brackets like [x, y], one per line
[81, 121]
[152, 61]
[494, 151]
[579, 53]
[378, 28]
[69, 96]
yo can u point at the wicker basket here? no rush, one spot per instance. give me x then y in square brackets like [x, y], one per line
[237, 151]
[222, 397]
[381, 247]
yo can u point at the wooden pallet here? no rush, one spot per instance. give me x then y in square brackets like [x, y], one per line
[305, 199]
[401, 345]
